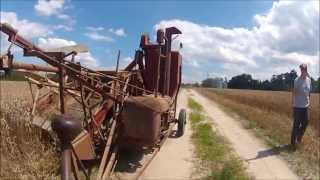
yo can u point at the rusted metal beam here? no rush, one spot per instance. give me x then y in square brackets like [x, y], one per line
[53, 84]
[61, 89]
[103, 162]
[110, 164]
[158, 73]
[33, 67]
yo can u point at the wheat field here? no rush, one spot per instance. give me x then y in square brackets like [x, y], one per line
[272, 101]
[24, 153]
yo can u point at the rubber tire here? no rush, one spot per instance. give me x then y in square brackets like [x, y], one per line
[182, 120]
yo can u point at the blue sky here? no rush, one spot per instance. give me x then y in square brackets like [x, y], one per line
[106, 26]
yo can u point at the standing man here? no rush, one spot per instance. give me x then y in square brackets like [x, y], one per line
[300, 102]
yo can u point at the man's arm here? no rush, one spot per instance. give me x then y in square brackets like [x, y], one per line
[310, 87]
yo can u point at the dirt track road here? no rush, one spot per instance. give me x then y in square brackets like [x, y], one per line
[174, 161]
[257, 156]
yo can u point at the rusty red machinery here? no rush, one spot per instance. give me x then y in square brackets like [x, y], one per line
[134, 107]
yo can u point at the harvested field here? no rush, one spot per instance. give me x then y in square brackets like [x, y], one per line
[269, 114]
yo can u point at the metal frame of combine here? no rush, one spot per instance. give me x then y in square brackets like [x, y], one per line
[134, 107]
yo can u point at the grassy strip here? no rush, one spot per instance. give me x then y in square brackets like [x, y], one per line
[213, 151]
[274, 128]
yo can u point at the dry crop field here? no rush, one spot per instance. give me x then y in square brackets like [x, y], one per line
[23, 154]
[269, 113]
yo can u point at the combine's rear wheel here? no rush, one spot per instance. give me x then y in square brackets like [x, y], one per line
[182, 120]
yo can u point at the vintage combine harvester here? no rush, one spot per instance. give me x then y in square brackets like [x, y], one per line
[133, 108]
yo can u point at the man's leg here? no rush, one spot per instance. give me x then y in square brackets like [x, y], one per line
[295, 127]
[304, 124]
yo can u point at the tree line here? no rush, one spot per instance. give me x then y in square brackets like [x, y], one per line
[280, 82]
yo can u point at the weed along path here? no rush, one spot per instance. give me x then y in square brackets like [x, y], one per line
[175, 158]
[257, 156]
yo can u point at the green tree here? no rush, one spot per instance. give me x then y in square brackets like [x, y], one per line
[243, 81]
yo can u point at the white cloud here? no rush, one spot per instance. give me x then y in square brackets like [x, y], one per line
[292, 31]
[63, 16]
[50, 43]
[107, 68]
[98, 37]
[118, 32]
[127, 59]
[95, 33]
[99, 33]
[49, 7]
[281, 39]
[54, 8]
[32, 30]
[91, 28]
[25, 27]
[203, 43]
[64, 27]
[4, 44]
[124, 62]
[85, 59]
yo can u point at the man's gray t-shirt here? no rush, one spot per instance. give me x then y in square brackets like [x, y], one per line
[302, 89]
